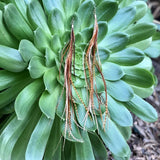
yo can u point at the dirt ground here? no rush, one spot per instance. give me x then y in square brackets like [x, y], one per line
[145, 139]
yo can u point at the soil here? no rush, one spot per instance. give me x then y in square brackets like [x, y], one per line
[145, 138]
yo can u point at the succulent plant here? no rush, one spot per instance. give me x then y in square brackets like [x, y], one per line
[72, 70]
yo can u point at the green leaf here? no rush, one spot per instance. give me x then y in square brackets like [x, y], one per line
[49, 5]
[108, 137]
[106, 10]
[41, 40]
[125, 131]
[143, 92]
[50, 57]
[86, 8]
[37, 16]
[37, 67]
[53, 148]
[138, 77]
[144, 44]
[122, 19]
[56, 22]
[118, 113]
[154, 50]
[99, 150]
[27, 97]
[5, 38]
[11, 134]
[102, 32]
[72, 132]
[141, 9]
[85, 121]
[56, 43]
[127, 57]
[12, 17]
[87, 34]
[8, 79]
[38, 141]
[48, 102]
[138, 32]
[22, 142]
[70, 6]
[9, 95]
[84, 150]
[120, 90]
[142, 109]
[50, 79]
[115, 42]
[28, 50]
[145, 64]
[112, 71]
[11, 60]
[20, 4]
[103, 54]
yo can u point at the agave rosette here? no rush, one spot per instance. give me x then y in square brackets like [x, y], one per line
[35, 40]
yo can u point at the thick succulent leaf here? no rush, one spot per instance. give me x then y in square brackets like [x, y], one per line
[7, 109]
[143, 92]
[120, 90]
[41, 40]
[115, 42]
[85, 121]
[53, 148]
[111, 71]
[56, 43]
[142, 109]
[60, 111]
[37, 67]
[70, 6]
[11, 60]
[28, 50]
[145, 64]
[84, 150]
[69, 151]
[48, 102]
[21, 5]
[99, 150]
[127, 57]
[110, 136]
[56, 22]
[37, 16]
[106, 10]
[72, 132]
[103, 54]
[87, 34]
[50, 79]
[125, 131]
[12, 17]
[50, 57]
[5, 38]
[103, 28]
[86, 8]
[11, 134]
[138, 32]
[118, 113]
[122, 19]
[138, 77]
[75, 20]
[21, 144]
[141, 9]
[8, 79]
[9, 95]
[142, 44]
[26, 98]
[49, 5]
[38, 141]
[154, 50]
